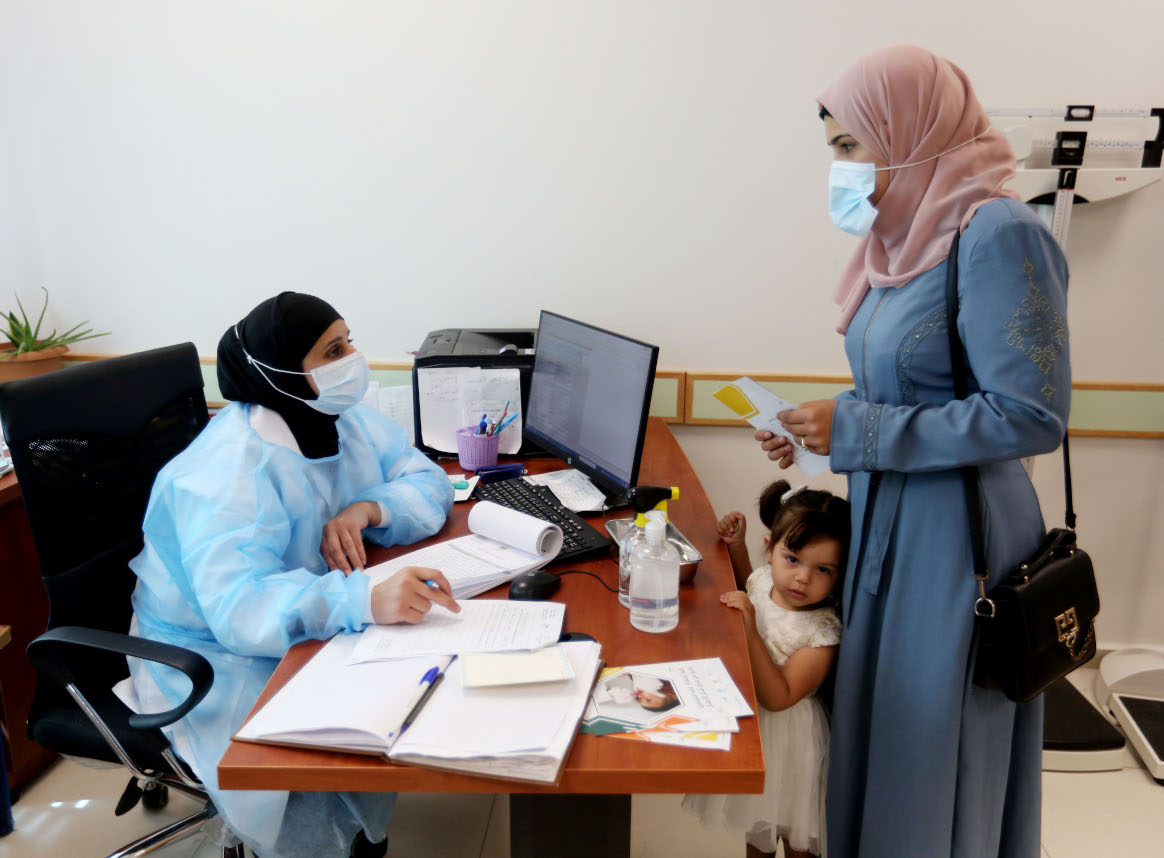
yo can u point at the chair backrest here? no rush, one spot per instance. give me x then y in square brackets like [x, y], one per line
[87, 443]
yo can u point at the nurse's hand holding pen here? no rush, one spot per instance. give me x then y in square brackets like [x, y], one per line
[409, 594]
[811, 425]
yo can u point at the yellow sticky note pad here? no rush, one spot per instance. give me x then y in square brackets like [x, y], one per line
[738, 401]
[485, 669]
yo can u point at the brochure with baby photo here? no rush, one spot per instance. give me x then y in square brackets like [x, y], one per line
[672, 696]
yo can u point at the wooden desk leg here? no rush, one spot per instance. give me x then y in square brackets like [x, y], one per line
[569, 826]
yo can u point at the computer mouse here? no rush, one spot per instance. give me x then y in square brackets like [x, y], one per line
[507, 349]
[534, 586]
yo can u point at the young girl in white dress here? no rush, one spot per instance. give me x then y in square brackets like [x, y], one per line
[793, 631]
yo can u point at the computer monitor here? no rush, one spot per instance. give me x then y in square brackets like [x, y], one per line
[588, 400]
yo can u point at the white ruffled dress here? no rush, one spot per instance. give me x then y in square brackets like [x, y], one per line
[795, 740]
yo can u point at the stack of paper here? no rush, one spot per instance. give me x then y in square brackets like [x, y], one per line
[521, 732]
[573, 489]
[689, 703]
[503, 544]
[487, 625]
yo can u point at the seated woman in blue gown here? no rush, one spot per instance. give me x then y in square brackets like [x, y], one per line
[253, 542]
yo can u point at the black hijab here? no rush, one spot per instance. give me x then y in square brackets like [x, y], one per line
[280, 332]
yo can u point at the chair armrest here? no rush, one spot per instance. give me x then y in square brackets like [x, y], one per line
[49, 655]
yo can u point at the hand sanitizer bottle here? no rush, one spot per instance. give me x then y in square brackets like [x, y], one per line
[636, 535]
[654, 581]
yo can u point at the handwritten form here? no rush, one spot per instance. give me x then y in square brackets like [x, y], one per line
[453, 397]
[759, 406]
[486, 625]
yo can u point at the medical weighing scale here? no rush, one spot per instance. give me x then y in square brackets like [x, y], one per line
[1082, 154]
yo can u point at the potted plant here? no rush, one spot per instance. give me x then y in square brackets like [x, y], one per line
[27, 353]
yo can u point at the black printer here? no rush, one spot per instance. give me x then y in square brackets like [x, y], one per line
[481, 347]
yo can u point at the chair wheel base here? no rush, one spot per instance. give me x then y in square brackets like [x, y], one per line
[155, 796]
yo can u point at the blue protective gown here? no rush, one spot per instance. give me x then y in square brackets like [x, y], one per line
[232, 569]
[924, 763]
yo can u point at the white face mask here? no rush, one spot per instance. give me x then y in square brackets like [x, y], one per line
[851, 183]
[341, 383]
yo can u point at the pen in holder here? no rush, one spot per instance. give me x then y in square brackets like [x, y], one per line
[476, 451]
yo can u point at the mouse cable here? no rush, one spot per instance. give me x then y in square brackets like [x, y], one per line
[592, 575]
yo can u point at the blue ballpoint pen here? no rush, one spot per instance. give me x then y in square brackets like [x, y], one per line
[506, 423]
[426, 683]
[481, 426]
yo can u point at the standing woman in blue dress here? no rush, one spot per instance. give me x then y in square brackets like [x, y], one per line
[923, 761]
[254, 542]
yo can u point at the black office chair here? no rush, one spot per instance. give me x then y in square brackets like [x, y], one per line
[87, 443]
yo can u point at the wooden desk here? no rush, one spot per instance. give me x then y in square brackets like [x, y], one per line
[607, 770]
[25, 603]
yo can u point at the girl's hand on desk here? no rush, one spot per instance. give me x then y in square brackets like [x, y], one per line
[407, 596]
[732, 528]
[342, 545]
[739, 600]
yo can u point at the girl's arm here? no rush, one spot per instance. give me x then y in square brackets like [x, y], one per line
[780, 687]
[733, 529]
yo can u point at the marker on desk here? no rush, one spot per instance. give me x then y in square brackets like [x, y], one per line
[481, 426]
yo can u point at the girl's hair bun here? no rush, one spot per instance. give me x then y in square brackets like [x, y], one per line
[771, 500]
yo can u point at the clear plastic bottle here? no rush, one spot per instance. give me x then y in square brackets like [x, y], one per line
[636, 535]
[654, 581]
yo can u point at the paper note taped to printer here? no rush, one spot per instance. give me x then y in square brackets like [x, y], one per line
[453, 397]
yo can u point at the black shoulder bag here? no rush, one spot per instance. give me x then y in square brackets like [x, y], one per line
[1038, 624]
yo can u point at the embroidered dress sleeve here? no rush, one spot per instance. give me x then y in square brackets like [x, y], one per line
[1012, 320]
[415, 493]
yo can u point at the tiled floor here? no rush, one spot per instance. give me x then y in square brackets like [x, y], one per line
[69, 812]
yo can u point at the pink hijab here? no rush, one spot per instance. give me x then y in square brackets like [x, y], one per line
[906, 104]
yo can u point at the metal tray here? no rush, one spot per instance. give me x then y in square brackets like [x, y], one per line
[689, 556]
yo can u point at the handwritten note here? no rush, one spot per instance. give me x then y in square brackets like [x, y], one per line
[453, 397]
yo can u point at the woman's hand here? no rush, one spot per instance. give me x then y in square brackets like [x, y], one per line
[778, 448]
[732, 528]
[342, 545]
[739, 600]
[811, 424]
[406, 597]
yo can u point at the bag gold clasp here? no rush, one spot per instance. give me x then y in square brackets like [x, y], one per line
[1067, 625]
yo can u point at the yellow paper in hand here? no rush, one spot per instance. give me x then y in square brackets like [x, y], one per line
[738, 401]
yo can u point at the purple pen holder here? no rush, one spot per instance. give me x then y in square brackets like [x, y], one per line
[476, 451]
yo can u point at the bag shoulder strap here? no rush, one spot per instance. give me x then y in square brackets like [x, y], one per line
[970, 472]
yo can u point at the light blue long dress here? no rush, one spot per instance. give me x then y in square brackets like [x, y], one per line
[232, 569]
[923, 762]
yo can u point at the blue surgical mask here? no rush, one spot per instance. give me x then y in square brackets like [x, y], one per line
[850, 184]
[341, 383]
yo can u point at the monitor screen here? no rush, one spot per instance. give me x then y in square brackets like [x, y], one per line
[588, 399]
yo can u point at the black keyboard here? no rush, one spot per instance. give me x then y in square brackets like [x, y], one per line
[578, 537]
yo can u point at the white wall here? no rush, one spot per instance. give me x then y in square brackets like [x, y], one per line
[655, 166]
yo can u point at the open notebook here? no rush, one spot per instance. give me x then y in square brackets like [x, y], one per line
[503, 544]
[520, 732]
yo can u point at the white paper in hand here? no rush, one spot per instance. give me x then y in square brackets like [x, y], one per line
[759, 406]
